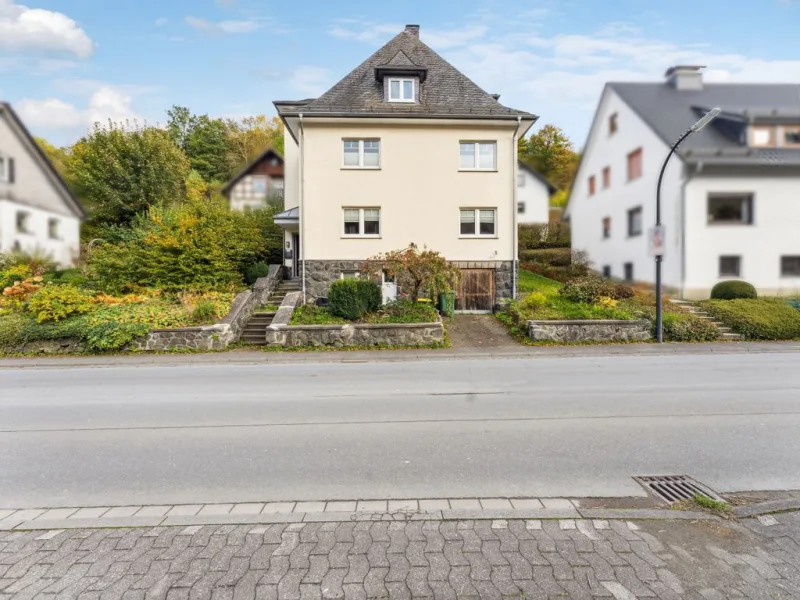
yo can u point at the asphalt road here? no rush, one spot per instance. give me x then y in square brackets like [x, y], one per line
[579, 426]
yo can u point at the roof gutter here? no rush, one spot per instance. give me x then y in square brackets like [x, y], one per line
[413, 115]
[514, 198]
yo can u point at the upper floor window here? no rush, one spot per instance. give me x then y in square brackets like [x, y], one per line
[478, 222]
[635, 221]
[592, 185]
[259, 185]
[606, 228]
[362, 222]
[730, 209]
[402, 90]
[52, 229]
[612, 124]
[635, 164]
[606, 178]
[23, 222]
[362, 154]
[6, 169]
[478, 156]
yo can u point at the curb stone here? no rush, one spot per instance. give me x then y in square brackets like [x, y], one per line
[767, 507]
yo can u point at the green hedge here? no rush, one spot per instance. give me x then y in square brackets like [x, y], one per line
[757, 319]
[731, 290]
[679, 327]
[351, 299]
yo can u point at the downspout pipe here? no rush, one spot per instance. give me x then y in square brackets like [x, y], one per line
[514, 187]
[302, 248]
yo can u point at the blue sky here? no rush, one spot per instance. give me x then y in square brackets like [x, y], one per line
[66, 63]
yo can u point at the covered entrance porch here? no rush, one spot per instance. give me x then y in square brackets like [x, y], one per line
[289, 221]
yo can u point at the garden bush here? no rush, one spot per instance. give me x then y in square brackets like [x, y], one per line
[204, 312]
[757, 319]
[353, 298]
[556, 257]
[255, 271]
[588, 289]
[112, 335]
[731, 290]
[57, 302]
[13, 274]
[404, 311]
[622, 292]
[684, 327]
[543, 235]
[71, 277]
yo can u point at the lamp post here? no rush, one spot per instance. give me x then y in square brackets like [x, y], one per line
[705, 120]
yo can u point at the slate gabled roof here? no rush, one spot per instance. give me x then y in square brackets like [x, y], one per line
[269, 152]
[445, 92]
[670, 112]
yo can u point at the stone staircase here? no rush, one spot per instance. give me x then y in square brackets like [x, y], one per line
[727, 333]
[255, 331]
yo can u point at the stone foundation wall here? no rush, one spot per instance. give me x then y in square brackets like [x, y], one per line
[320, 274]
[589, 331]
[280, 333]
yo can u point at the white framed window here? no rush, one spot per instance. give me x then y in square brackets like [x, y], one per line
[635, 221]
[520, 180]
[23, 222]
[362, 222]
[478, 222]
[6, 169]
[361, 154]
[730, 266]
[259, 185]
[402, 89]
[52, 229]
[478, 156]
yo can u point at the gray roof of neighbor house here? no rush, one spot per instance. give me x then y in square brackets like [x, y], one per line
[550, 187]
[670, 112]
[444, 90]
[244, 172]
[44, 162]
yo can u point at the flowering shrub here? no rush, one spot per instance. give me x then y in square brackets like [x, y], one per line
[56, 302]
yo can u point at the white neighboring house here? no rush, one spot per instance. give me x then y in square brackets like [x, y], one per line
[729, 197]
[37, 210]
[258, 182]
[533, 196]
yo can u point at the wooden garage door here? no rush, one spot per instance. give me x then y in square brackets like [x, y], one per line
[476, 291]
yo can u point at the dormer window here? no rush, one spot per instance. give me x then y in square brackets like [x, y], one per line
[762, 136]
[402, 89]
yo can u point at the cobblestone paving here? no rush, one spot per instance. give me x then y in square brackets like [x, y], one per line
[417, 559]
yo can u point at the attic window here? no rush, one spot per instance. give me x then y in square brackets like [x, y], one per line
[402, 89]
[791, 136]
[762, 136]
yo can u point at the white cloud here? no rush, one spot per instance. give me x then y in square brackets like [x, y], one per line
[109, 103]
[309, 81]
[224, 27]
[450, 38]
[350, 29]
[24, 29]
[160, 22]
[50, 113]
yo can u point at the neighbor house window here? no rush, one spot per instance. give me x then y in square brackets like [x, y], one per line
[478, 222]
[23, 222]
[628, 268]
[521, 208]
[607, 271]
[52, 229]
[402, 90]
[606, 228]
[635, 164]
[762, 136]
[730, 266]
[520, 180]
[4, 168]
[362, 154]
[362, 222]
[730, 209]
[592, 185]
[635, 222]
[791, 136]
[606, 178]
[790, 266]
[478, 156]
[259, 185]
[612, 124]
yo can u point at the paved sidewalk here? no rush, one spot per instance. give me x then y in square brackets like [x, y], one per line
[533, 559]
[255, 356]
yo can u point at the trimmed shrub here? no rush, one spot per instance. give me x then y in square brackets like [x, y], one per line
[587, 289]
[556, 257]
[56, 302]
[757, 319]
[680, 327]
[533, 300]
[731, 290]
[204, 312]
[351, 299]
[544, 235]
[622, 292]
[256, 270]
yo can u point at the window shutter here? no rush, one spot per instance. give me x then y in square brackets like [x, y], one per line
[10, 168]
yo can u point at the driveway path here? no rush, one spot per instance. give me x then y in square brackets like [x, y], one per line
[405, 560]
[478, 331]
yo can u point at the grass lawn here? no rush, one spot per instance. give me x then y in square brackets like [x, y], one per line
[532, 282]
[399, 312]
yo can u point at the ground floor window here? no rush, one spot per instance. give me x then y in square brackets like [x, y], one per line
[478, 222]
[730, 266]
[628, 268]
[790, 266]
[362, 222]
[607, 271]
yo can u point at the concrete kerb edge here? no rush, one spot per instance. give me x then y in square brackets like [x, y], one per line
[767, 507]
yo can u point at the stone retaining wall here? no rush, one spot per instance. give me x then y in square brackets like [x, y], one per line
[280, 333]
[220, 335]
[589, 331]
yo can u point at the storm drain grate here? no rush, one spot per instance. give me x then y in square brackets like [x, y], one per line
[673, 488]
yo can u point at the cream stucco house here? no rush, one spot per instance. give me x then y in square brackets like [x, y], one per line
[403, 149]
[38, 213]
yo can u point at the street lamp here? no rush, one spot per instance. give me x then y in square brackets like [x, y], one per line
[705, 120]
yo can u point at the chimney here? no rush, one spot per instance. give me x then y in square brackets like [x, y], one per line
[685, 77]
[413, 30]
